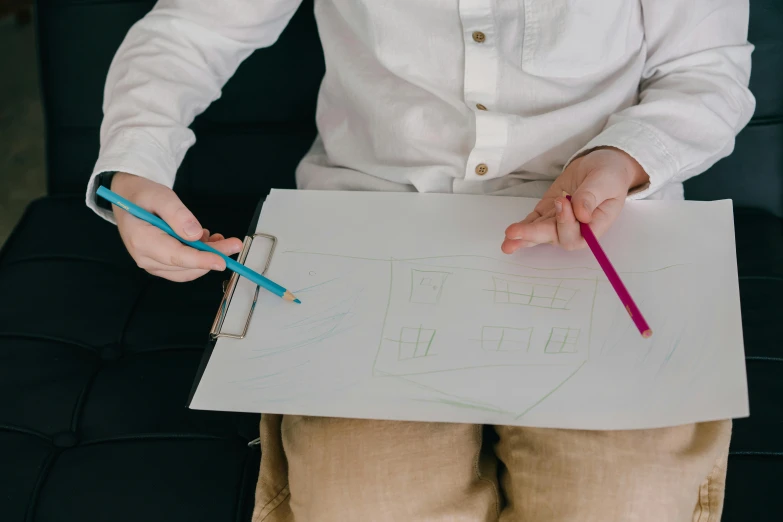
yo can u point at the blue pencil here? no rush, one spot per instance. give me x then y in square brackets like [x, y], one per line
[239, 268]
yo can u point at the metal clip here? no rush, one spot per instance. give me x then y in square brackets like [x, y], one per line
[230, 285]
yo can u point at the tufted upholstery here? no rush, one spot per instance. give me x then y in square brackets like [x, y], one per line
[97, 358]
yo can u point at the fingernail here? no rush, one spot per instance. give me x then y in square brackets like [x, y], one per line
[217, 267]
[192, 229]
[558, 206]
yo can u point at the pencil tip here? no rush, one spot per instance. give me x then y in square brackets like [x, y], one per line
[288, 296]
[647, 334]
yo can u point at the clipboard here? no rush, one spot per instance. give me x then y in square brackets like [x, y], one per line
[216, 331]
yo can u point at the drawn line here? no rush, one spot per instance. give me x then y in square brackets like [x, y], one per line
[305, 320]
[615, 317]
[383, 373]
[429, 344]
[440, 288]
[319, 322]
[549, 339]
[458, 398]
[671, 352]
[385, 315]
[465, 405]
[413, 259]
[307, 288]
[530, 303]
[520, 276]
[542, 399]
[302, 344]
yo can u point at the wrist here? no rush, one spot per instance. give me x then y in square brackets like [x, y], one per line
[634, 174]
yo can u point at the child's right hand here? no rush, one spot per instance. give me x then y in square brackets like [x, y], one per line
[153, 249]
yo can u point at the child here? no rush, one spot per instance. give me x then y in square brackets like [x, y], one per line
[605, 100]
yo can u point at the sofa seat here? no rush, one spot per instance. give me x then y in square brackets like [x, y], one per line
[97, 359]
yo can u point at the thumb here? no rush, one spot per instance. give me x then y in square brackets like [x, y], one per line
[170, 208]
[593, 191]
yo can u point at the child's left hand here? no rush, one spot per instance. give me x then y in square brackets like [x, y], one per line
[598, 183]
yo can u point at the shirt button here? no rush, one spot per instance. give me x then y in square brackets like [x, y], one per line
[479, 37]
[481, 169]
[480, 107]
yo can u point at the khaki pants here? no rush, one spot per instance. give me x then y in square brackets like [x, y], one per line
[326, 469]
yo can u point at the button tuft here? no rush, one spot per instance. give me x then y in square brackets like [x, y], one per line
[65, 439]
[111, 352]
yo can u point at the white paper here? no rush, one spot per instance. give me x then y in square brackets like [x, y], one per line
[410, 311]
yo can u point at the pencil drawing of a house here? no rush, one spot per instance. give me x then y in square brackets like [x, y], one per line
[507, 318]
[454, 324]
[537, 325]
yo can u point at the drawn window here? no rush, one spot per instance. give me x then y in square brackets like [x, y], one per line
[427, 287]
[562, 340]
[503, 339]
[533, 294]
[415, 342]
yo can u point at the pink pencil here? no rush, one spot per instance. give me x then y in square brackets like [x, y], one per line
[614, 278]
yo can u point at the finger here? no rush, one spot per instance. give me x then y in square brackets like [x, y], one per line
[531, 217]
[169, 207]
[549, 214]
[544, 231]
[546, 204]
[228, 246]
[159, 246]
[568, 234]
[178, 276]
[187, 257]
[151, 265]
[598, 187]
[605, 214]
[510, 246]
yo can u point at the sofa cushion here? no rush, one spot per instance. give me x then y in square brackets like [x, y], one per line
[97, 360]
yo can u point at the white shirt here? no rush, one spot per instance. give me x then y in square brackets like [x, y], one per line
[402, 103]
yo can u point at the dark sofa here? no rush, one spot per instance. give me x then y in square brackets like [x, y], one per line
[97, 358]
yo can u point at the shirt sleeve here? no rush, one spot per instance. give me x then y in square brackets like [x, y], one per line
[171, 65]
[693, 97]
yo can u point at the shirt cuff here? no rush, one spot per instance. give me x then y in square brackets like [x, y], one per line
[135, 153]
[641, 142]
